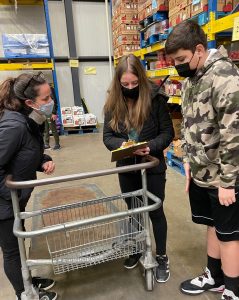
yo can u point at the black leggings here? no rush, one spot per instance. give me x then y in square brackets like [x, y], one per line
[156, 185]
[11, 255]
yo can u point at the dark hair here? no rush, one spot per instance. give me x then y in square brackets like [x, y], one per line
[186, 35]
[14, 91]
[115, 103]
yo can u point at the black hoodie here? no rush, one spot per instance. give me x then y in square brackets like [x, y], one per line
[157, 130]
[21, 155]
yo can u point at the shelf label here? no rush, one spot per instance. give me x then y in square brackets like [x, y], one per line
[90, 70]
[27, 66]
[74, 63]
[149, 49]
[235, 33]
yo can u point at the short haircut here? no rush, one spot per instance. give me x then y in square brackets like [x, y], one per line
[186, 35]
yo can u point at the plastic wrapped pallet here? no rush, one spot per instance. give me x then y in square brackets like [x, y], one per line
[25, 45]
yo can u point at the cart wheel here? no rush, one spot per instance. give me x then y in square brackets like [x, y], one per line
[149, 278]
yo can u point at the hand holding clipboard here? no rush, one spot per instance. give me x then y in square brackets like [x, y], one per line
[127, 150]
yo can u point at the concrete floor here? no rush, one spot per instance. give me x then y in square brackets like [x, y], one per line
[186, 241]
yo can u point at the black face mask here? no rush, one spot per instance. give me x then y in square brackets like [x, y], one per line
[131, 93]
[184, 70]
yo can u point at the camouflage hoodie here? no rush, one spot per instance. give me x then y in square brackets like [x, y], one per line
[210, 130]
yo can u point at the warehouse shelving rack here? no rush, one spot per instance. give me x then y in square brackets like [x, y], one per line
[36, 63]
[211, 28]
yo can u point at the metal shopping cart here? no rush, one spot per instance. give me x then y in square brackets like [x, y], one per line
[89, 232]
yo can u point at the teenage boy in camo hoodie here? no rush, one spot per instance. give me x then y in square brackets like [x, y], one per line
[210, 107]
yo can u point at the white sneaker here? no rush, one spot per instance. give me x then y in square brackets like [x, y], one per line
[201, 284]
[229, 295]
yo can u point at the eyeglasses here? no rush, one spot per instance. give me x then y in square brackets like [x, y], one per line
[39, 78]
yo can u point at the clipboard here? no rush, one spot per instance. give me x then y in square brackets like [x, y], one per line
[122, 153]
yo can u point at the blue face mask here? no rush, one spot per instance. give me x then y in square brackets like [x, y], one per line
[46, 109]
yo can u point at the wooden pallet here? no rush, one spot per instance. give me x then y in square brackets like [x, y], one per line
[80, 130]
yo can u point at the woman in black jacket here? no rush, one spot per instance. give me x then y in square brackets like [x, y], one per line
[136, 109]
[24, 104]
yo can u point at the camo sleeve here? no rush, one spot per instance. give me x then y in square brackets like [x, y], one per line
[225, 99]
[183, 141]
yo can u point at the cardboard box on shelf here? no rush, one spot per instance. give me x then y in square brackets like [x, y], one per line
[173, 20]
[128, 39]
[235, 3]
[183, 3]
[199, 6]
[148, 10]
[172, 4]
[173, 11]
[159, 5]
[185, 13]
[177, 149]
[123, 3]
[126, 8]
[142, 14]
[125, 50]
[127, 29]
[177, 121]
[228, 5]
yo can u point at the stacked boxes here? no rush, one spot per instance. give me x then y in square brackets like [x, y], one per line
[74, 117]
[67, 117]
[149, 7]
[199, 6]
[179, 10]
[156, 28]
[125, 27]
[230, 5]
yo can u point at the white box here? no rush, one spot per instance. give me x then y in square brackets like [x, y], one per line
[77, 110]
[79, 120]
[90, 119]
[67, 110]
[67, 120]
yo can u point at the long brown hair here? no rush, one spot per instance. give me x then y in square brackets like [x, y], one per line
[14, 91]
[115, 103]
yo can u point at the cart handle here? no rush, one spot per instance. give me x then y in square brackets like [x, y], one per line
[151, 162]
[80, 223]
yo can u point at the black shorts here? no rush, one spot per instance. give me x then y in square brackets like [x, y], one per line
[206, 209]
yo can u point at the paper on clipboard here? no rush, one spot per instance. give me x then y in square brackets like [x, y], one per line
[122, 153]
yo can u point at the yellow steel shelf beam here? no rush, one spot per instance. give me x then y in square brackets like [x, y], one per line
[26, 66]
[21, 2]
[163, 73]
[175, 100]
[224, 23]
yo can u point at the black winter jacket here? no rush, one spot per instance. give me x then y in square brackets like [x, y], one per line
[157, 130]
[21, 154]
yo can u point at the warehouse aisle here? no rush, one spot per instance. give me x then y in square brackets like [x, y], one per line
[186, 242]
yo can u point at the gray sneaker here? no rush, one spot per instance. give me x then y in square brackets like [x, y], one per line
[56, 147]
[162, 272]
